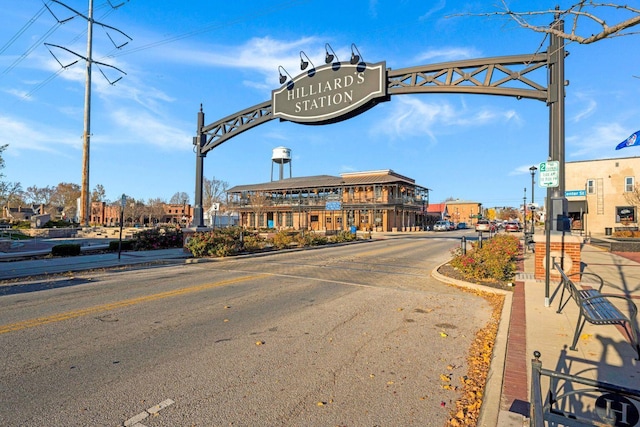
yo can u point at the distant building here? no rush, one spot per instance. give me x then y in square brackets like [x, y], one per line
[598, 192]
[22, 213]
[459, 211]
[381, 200]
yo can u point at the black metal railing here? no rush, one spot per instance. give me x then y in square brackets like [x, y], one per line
[596, 403]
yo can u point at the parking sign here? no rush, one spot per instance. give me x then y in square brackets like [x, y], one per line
[549, 174]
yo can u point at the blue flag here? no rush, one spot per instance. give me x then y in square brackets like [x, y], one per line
[634, 139]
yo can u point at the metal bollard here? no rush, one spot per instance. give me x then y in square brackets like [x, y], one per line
[463, 245]
[479, 239]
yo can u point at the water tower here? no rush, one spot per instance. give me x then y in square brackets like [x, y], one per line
[281, 156]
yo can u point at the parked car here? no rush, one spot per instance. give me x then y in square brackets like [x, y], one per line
[485, 225]
[442, 226]
[512, 226]
[462, 226]
[452, 225]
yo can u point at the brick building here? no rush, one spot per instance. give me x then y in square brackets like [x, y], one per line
[380, 200]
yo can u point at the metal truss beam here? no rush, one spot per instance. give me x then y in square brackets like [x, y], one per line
[505, 76]
[222, 130]
[488, 76]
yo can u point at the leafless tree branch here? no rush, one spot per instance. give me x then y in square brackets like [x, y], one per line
[582, 16]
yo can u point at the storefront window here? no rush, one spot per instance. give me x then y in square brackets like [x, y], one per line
[625, 214]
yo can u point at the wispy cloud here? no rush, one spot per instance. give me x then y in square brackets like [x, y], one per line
[373, 8]
[143, 127]
[596, 141]
[588, 106]
[262, 55]
[23, 136]
[522, 170]
[447, 54]
[436, 8]
[410, 117]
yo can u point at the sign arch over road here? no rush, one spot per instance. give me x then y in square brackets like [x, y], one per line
[338, 91]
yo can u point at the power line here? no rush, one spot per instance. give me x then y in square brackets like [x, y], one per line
[212, 27]
[38, 42]
[24, 28]
[30, 49]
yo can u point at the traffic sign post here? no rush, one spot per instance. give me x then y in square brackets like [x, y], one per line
[549, 174]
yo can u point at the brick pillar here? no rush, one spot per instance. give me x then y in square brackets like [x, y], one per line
[561, 246]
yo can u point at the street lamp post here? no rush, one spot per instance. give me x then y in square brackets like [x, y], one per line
[524, 207]
[122, 203]
[533, 172]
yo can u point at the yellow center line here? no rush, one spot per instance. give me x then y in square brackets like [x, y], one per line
[31, 323]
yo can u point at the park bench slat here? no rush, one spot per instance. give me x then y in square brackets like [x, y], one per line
[596, 307]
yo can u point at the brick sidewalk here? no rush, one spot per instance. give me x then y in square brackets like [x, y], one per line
[515, 395]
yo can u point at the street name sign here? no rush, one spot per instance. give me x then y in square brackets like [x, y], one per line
[549, 174]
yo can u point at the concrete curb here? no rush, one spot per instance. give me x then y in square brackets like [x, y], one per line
[490, 411]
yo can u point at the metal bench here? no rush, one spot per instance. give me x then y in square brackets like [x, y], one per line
[596, 307]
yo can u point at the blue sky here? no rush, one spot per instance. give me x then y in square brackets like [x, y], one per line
[187, 53]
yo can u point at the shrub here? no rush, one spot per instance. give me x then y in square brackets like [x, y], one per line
[253, 242]
[343, 236]
[157, 238]
[226, 241]
[218, 243]
[67, 249]
[282, 239]
[127, 245]
[311, 239]
[58, 223]
[494, 261]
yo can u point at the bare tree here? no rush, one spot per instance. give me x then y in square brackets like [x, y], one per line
[66, 197]
[98, 193]
[10, 192]
[39, 195]
[155, 210]
[214, 191]
[585, 19]
[633, 197]
[179, 198]
[258, 202]
[134, 211]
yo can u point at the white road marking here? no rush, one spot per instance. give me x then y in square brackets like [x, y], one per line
[135, 420]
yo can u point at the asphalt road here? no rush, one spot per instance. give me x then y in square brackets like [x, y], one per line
[356, 335]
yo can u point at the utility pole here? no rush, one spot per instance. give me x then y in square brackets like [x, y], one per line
[85, 206]
[85, 200]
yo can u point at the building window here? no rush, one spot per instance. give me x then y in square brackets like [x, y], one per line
[280, 218]
[328, 220]
[625, 214]
[252, 219]
[260, 220]
[591, 186]
[339, 220]
[289, 219]
[628, 184]
[314, 218]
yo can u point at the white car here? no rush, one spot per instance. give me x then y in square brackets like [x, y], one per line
[442, 226]
[485, 225]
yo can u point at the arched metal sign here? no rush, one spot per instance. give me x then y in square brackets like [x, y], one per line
[339, 91]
